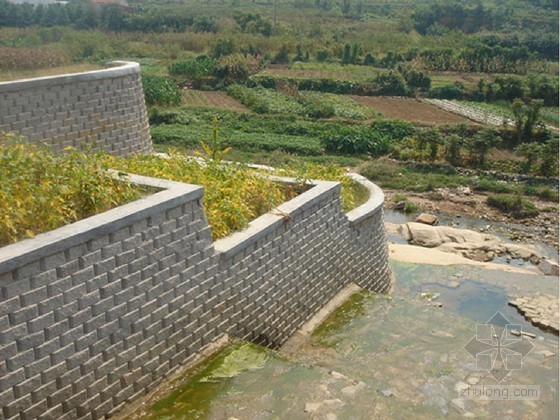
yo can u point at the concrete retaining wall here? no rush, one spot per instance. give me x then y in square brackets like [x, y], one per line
[103, 107]
[96, 313]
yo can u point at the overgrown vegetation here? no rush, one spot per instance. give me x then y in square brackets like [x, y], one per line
[513, 205]
[41, 190]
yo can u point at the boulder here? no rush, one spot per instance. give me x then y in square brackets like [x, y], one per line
[427, 219]
[549, 268]
[432, 236]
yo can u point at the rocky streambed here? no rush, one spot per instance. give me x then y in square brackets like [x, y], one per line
[413, 354]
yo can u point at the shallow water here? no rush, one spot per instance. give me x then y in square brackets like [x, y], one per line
[383, 357]
[479, 225]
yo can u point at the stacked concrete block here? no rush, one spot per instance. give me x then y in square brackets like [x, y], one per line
[103, 109]
[96, 313]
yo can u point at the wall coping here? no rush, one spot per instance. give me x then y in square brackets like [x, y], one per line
[115, 69]
[372, 206]
[269, 222]
[45, 244]
[172, 194]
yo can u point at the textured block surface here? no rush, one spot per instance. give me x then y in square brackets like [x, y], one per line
[96, 313]
[102, 108]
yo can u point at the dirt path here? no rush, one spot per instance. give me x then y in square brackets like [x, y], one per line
[409, 109]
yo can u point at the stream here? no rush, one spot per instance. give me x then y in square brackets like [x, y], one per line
[397, 356]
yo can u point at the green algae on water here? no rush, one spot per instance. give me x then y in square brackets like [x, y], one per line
[193, 398]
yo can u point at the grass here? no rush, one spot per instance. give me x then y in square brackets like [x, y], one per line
[335, 71]
[393, 175]
[513, 205]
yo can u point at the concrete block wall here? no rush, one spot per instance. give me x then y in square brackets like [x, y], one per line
[105, 108]
[96, 313]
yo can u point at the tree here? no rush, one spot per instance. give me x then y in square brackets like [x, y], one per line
[525, 118]
[480, 144]
[346, 55]
[431, 140]
[391, 83]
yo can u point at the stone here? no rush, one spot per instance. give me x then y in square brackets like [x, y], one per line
[349, 391]
[549, 268]
[400, 205]
[515, 332]
[473, 380]
[337, 375]
[311, 407]
[427, 219]
[436, 304]
[547, 353]
[386, 392]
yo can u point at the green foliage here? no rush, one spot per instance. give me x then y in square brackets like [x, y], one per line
[236, 68]
[350, 192]
[41, 190]
[214, 149]
[392, 83]
[419, 179]
[193, 68]
[356, 140]
[266, 101]
[252, 23]
[526, 118]
[452, 91]
[540, 158]
[233, 196]
[159, 90]
[189, 136]
[479, 146]
[513, 205]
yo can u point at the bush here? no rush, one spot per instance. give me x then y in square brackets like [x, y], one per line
[159, 90]
[193, 68]
[391, 83]
[236, 68]
[31, 58]
[355, 140]
[41, 190]
[513, 205]
[233, 194]
[447, 92]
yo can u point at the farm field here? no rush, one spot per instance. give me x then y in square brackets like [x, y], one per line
[212, 99]
[323, 71]
[493, 114]
[409, 109]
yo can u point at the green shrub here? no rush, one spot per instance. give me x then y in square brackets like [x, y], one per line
[159, 90]
[193, 68]
[513, 205]
[355, 140]
[41, 190]
[447, 92]
[233, 194]
[391, 83]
